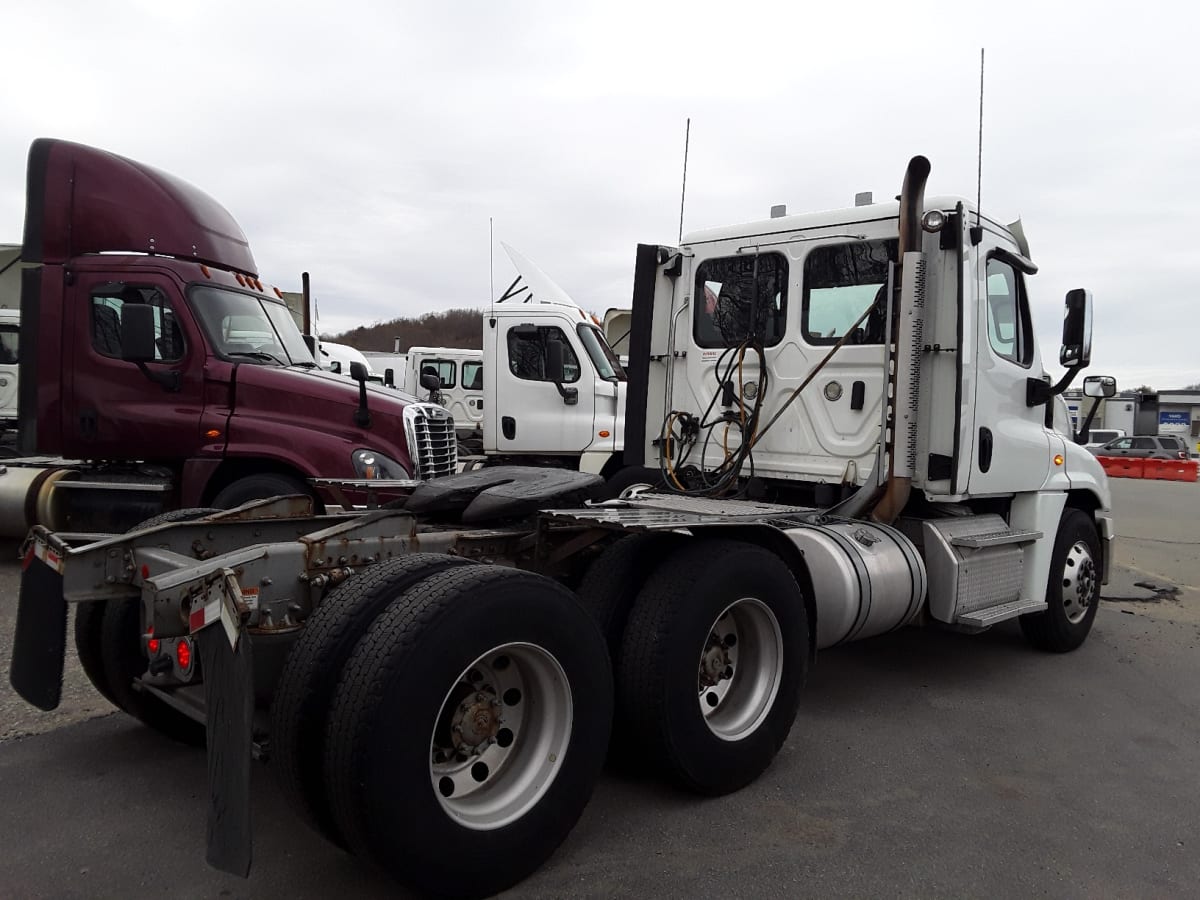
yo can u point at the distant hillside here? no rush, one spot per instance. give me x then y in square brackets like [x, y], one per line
[450, 328]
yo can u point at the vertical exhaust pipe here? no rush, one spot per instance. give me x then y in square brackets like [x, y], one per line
[908, 333]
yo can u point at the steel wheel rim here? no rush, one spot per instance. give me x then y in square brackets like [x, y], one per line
[741, 668]
[1079, 582]
[500, 736]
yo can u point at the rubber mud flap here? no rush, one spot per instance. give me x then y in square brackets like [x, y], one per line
[229, 707]
[41, 636]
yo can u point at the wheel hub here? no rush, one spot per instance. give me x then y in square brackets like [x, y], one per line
[1079, 582]
[476, 721]
[740, 669]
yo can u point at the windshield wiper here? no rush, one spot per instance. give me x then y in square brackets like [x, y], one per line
[258, 354]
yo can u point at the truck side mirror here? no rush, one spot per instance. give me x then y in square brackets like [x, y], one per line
[1099, 386]
[1076, 350]
[554, 362]
[555, 372]
[137, 332]
[389, 377]
[358, 371]
[431, 382]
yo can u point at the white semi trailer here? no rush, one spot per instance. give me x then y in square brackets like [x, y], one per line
[848, 415]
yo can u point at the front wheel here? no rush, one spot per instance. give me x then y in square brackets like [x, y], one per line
[468, 730]
[1073, 588]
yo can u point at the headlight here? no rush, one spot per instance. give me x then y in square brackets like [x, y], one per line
[372, 464]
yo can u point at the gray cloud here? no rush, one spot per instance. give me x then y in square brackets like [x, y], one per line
[369, 143]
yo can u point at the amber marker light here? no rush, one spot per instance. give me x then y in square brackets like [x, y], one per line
[1058, 459]
[279, 293]
[212, 433]
[604, 434]
[241, 279]
[204, 271]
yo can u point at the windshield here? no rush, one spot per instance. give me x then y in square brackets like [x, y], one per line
[601, 354]
[245, 328]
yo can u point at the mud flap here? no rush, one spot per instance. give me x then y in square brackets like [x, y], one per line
[41, 636]
[229, 705]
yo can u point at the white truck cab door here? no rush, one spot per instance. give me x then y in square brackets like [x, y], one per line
[533, 414]
[1011, 443]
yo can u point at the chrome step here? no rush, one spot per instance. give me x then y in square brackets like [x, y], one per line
[995, 539]
[990, 615]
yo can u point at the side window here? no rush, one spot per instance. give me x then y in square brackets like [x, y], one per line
[472, 376]
[107, 303]
[1122, 444]
[842, 281]
[444, 369]
[527, 352]
[737, 296]
[1008, 326]
[1143, 443]
[8, 345]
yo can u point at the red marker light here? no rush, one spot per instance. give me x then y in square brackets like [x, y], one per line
[152, 645]
[145, 571]
[183, 654]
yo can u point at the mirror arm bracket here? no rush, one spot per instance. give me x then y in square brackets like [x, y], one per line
[171, 380]
[570, 396]
[1038, 391]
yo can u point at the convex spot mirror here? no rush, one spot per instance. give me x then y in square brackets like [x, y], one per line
[1077, 330]
[137, 333]
[1099, 386]
[358, 371]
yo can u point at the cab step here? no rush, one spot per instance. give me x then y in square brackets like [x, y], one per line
[990, 615]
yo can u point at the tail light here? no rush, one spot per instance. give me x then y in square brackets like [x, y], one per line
[1183, 454]
[183, 654]
[151, 641]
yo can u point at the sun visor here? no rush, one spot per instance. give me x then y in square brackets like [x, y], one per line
[83, 200]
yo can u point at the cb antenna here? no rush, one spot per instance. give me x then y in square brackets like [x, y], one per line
[687, 134]
[491, 268]
[977, 231]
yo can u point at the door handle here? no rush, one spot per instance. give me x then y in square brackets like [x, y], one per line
[985, 449]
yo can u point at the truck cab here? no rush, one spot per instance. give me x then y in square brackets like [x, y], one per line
[556, 392]
[229, 400]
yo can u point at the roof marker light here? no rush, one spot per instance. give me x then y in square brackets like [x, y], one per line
[241, 279]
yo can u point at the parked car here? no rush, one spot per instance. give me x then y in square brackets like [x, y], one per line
[1145, 446]
[1098, 437]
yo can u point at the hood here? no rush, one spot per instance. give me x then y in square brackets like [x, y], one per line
[325, 399]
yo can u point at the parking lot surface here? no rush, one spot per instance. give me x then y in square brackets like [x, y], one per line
[923, 763]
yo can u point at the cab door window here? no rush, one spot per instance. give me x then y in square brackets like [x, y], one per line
[1010, 332]
[472, 376]
[841, 282]
[445, 369]
[108, 303]
[527, 356]
[8, 345]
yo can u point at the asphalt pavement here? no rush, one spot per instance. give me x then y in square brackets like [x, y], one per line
[923, 764]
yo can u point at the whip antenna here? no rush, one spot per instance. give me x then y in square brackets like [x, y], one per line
[977, 233]
[683, 191]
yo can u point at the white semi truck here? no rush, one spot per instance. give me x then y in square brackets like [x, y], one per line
[848, 413]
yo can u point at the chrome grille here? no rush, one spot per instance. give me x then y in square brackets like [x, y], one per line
[431, 440]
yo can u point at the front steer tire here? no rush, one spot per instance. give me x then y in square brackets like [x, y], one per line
[441, 825]
[714, 738]
[1072, 590]
[301, 706]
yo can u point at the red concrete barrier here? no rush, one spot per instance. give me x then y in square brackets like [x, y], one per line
[1155, 469]
[1123, 466]
[1178, 470]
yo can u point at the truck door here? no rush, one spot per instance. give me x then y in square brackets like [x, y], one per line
[1011, 442]
[111, 409]
[9, 330]
[534, 414]
[471, 371]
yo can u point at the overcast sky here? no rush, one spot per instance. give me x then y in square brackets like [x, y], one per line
[369, 142]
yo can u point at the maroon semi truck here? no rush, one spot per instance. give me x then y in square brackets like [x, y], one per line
[151, 350]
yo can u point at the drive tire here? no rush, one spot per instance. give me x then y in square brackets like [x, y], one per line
[393, 703]
[301, 705]
[667, 640]
[260, 486]
[1072, 589]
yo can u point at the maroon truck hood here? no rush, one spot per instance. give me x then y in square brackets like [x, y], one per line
[294, 395]
[83, 200]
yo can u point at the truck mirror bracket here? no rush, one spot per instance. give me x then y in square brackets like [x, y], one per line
[171, 380]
